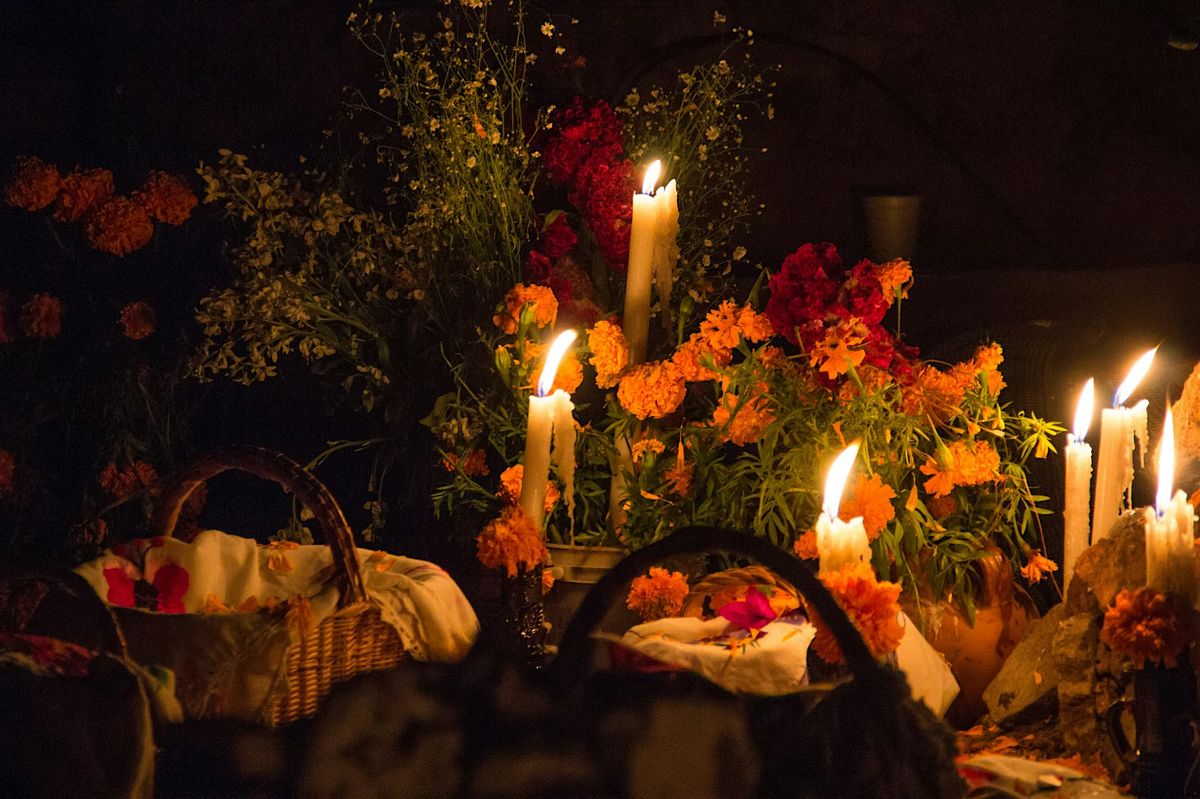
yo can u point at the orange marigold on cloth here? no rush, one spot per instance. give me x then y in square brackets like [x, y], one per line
[1038, 567]
[119, 226]
[137, 320]
[41, 316]
[511, 541]
[640, 448]
[277, 556]
[8, 473]
[545, 307]
[805, 545]
[166, 198]
[120, 483]
[34, 184]
[652, 390]
[964, 463]
[81, 192]
[475, 463]
[657, 595]
[691, 355]
[742, 421]
[894, 277]
[841, 350]
[872, 605]
[870, 498]
[568, 376]
[1146, 625]
[511, 480]
[610, 352]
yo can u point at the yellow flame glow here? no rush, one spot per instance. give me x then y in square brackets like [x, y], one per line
[835, 480]
[553, 358]
[1083, 409]
[653, 172]
[1134, 377]
[1166, 464]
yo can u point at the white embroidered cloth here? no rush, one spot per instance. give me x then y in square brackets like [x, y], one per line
[417, 598]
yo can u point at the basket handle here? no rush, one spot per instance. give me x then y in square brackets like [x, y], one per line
[573, 655]
[294, 478]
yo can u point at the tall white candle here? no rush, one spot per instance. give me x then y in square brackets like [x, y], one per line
[839, 542]
[1120, 428]
[651, 244]
[545, 413]
[1079, 483]
[1170, 525]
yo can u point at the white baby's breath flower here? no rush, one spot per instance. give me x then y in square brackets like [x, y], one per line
[547, 28]
[739, 253]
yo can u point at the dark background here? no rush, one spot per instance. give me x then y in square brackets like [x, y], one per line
[1056, 146]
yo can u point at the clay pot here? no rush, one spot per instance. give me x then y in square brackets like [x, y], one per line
[1003, 613]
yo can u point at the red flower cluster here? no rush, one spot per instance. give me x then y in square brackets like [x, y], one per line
[551, 266]
[585, 133]
[813, 295]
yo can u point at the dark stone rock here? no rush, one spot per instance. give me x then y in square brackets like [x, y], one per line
[1029, 675]
[1111, 564]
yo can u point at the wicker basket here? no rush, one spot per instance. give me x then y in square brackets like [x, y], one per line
[352, 640]
[732, 584]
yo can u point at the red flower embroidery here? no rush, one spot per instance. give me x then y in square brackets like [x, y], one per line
[158, 585]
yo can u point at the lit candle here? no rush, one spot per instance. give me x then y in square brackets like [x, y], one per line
[1169, 527]
[1079, 483]
[549, 417]
[652, 250]
[839, 542]
[1119, 428]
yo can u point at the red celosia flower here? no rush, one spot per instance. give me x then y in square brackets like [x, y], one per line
[558, 237]
[604, 193]
[804, 289]
[81, 192]
[41, 316]
[119, 226]
[34, 184]
[583, 132]
[166, 198]
[137, 320]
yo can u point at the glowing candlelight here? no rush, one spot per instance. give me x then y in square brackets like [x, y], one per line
[1079, 478]
[549, 418]
[840, 542]
[1170, 537]
[1120, 429]
[652, 254]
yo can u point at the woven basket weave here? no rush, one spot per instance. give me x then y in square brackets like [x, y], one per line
[352, 640]
[730, 581]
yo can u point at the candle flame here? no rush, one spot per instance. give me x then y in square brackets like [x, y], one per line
[1134, 377]
[1166, 465]
[653, 172]
[553, 358]
[835, 480]
[1083, 409]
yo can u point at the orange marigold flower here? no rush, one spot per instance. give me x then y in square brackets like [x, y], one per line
[894, 277]
[34, 184]
[755, 326]
[8, 473]
[679, 478]
[693, 353]
[840, 351]
[475, 463]
[657, 595]
[277, 556]
[120, 483]
[964, 464]
[870, 498]
[742, 421]
[81, 192]
[41, 316]
[932, 393]
[720, 327]
[805, 545]
[166, 198]
[1038, 567]
[119, 226]
[511, 541]
[1146, 625]
[545, 307]
[137, 320]
[511, 480]
[652, 390]
[941, 507]
[640, 448]
[610, 352]
[568, 376]
[872, 605]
